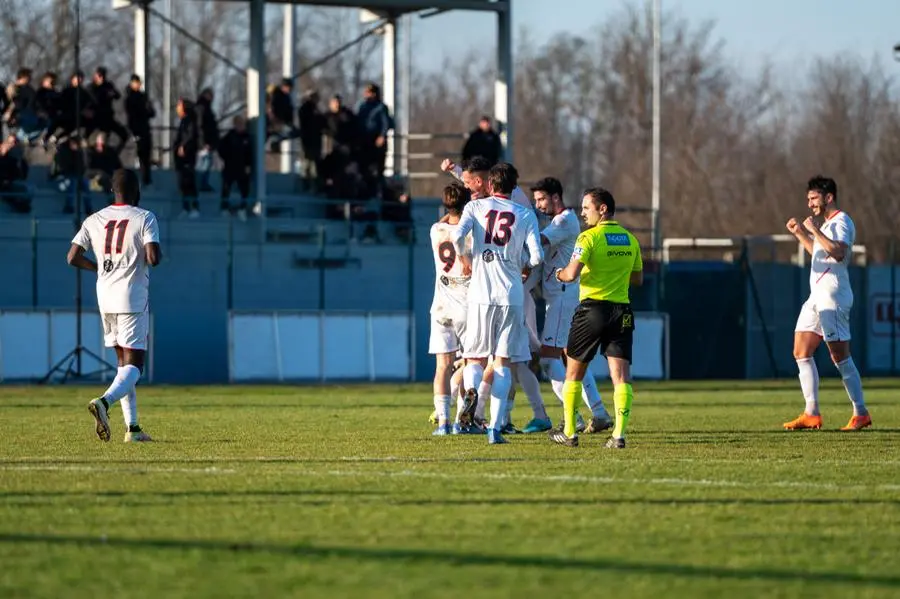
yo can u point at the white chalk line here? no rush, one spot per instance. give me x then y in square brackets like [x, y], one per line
[560, 478]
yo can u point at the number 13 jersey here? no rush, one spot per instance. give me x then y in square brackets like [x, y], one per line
[117, 235]
[501, 230]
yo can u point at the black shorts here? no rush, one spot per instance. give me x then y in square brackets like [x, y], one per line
[604, 326]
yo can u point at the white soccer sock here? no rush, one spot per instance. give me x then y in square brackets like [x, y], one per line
[809, 384]
[472, 375]
[454, 386]
[129, 409]
[442, 407]
[532, 389]
[484, 394]
[591, 395]
[853, 385]
[499, 395]
[126, 378]
[555, 371]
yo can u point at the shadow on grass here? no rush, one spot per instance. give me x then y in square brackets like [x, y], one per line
[447, 558]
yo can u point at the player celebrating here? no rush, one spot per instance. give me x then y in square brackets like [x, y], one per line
[127, 239]
[501, 230]
[448, 309]
[826, 313]
[558, 239]
[608, 258]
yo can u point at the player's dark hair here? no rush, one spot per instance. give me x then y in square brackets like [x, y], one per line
[503, 178]
[126, 187]
[550, 186]
[824, 185]
[476, 164]
[601, 197]
[456, 196]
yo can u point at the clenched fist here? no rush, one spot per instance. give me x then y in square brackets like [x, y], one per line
[793, 226]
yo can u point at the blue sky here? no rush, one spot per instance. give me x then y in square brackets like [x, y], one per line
[787, 32]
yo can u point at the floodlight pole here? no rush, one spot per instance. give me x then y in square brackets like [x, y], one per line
[657, 236]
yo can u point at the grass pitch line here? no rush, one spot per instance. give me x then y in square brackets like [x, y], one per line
[114, 468]
[566, 478]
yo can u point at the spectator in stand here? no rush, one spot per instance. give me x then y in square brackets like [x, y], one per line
[483, 141]
[186, 146]
[396, 208]
[69, 169]
[312, 125]
[105, 94]
[102, 162]
[208, 128]
[139, 111]
[21, 113]
[48, 100]
[13, 173]
[374, 122]
[281, 114]
[72, 98]
[341, 128]
[236, 152]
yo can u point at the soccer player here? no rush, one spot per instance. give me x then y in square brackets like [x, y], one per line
[125, 242]
[608, 259]
[558, 239]
[448, 308]
[826, 313]
[501, 231]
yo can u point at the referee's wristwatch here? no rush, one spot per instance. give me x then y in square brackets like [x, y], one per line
[556, 274]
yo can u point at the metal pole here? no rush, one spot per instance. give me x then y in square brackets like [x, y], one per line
[389, 91]
[656, 125]
[892, 312]
[256, 97]
[289, 41]
[503, 86]
[167, 89]
[405, 115]
[141, 43]
[79, 170]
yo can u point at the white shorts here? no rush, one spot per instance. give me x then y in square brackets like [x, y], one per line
[129, 331]
[446, 338]
[534, 341]
[832, 323]
[558, 321]
[496, 331]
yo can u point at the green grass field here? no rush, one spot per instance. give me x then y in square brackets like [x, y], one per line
[342, 492]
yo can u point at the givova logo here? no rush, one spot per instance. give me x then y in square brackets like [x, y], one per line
[617, 239]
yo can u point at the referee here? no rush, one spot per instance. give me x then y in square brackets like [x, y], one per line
[608, 259]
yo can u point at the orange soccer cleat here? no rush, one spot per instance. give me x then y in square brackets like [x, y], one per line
[804, 421]
[857, 423]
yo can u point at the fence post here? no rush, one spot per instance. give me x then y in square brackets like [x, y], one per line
[34, 262]
[321, 268]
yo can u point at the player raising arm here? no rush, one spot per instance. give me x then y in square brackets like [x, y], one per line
[501, 230]
[826, 313]
[125, 242]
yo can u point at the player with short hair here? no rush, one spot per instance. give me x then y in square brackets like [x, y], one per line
[558, 239]
[826, 313]
[501, 231]
[448, 308]
[608, 259]
[125, 241]
[474, 174]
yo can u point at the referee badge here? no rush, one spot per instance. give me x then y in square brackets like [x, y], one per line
[577, 253]
[627, 321]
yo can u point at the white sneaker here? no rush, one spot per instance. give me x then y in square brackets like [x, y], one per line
[242, 214]
[98, 411]
[138, 437]
[194, 213]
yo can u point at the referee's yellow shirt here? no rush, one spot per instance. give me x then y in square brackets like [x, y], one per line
[610, 253]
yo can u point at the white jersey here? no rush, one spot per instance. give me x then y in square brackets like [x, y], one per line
[117, 235]
[450, 286]
[518, 195]
[562, 232]
[501, 232]
[829, 281]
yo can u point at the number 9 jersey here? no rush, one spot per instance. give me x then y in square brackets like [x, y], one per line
[117, 236]
[450, 286]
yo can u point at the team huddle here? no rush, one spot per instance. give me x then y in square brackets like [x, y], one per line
[490, 256]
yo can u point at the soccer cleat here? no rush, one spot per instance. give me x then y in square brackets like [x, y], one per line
[470, 402]
[494, 437]
[804, 421]
[98, 410]
[857, 423]
[476, 428]
[580, 426]
[510, 429]
[598, 425]
[560, 438]
[456, 429]
[615, 443]
[537, 425]
[137, 437]
[442, 430]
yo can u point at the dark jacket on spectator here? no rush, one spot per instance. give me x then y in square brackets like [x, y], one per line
[104, 96]
[341, 126]
[208, 124]
[282, 107]
[67, 102]
[188, 137]
[139, 112]
[311, 124]
[486, 144]
[48, 102]
[236, 152]
[106, 161]
[374, 118]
